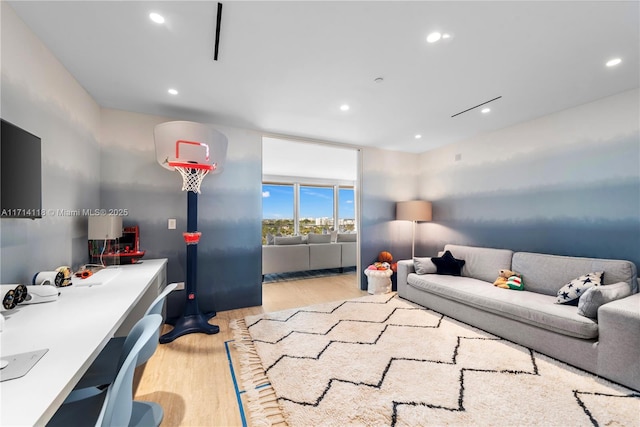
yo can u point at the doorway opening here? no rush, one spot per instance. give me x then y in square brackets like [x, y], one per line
[310, 211]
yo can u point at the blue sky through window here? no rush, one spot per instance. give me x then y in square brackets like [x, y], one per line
[277, 201]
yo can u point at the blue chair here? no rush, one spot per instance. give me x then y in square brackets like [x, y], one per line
[103, 370]
[115, 405]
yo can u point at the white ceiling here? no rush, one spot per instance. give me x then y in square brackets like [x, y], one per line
[286, 67]
[295, 159]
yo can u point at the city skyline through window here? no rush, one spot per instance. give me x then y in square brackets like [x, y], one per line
[316, 209]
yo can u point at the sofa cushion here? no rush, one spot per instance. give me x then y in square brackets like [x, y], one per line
[283, 258]
[424, 265]
[448, 264]
[288, 240]
[575, 288]
[347, 237]
[327, 255]
[527, 307]
[482, 263]
[546, 274]
[594, 297]
[349, 254]
[313, 238]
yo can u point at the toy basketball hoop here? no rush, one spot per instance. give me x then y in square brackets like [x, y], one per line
[194, 150]
[192, 172]
[191, 238]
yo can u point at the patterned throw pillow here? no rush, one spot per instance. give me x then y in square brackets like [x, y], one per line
[575, 288]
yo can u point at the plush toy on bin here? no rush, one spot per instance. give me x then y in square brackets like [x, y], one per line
[386, 257]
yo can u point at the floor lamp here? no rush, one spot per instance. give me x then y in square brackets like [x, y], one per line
[413, 210]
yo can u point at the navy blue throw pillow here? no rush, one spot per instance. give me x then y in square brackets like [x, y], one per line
[447, 264]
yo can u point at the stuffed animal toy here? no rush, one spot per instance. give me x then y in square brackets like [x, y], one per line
[515, 283]
[503, 277]
[386, 256]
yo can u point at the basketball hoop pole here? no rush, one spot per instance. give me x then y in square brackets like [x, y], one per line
[192, 319]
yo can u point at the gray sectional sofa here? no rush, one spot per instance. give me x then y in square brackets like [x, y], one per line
[608, 346]
[288, 255]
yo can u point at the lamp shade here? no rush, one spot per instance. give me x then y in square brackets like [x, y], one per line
[414, 210]
[105, 227]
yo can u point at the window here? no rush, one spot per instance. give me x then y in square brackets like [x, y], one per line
[346, 210]
[295, 209]
[316, 209]
[277, 210]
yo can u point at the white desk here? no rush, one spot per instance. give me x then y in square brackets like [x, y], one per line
[75, 328]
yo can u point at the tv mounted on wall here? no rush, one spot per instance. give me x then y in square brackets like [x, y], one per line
[20, 173]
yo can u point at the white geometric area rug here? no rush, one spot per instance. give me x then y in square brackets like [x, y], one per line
[382, 361]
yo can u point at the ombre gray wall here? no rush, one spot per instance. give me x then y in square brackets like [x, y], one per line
[40, 96]
[229, 209]
[387, 177]
[566, 183]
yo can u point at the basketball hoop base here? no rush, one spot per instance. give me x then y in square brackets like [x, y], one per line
[189, 324]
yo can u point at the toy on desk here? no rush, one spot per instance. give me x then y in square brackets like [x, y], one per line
[55, 278]
[12, 295]
[84, 274]
[67, 273]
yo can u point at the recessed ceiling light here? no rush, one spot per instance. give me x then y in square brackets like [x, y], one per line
[485, 110]
[173, 91]
[156, 17]
[613, 62]
[418, 136]
[434, 37]
[446, 36]
[344, 107]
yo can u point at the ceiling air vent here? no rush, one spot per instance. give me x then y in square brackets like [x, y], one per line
[479, 105]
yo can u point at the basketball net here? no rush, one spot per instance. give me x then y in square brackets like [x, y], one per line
[191, 178]
[192, 174]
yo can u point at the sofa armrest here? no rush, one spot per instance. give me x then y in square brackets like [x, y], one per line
[405, 267]
[619, 346]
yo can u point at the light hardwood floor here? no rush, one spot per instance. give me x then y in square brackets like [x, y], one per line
[190, 377]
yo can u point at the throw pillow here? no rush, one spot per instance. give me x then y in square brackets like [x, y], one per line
[447, 264]
[575, 288]
[596, 296]
[288, 240]
[270, 239]
[424, 265]
[318, 238]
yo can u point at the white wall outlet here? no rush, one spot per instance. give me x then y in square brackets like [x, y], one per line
[172, 224]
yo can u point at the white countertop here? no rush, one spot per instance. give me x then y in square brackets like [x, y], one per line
[74, 328]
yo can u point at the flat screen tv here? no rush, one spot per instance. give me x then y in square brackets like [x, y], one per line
[20, 173]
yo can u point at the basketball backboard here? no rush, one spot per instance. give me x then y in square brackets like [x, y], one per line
[190, 142]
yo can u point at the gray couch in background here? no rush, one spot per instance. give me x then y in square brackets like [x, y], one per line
[290, 254]
[608, 346]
